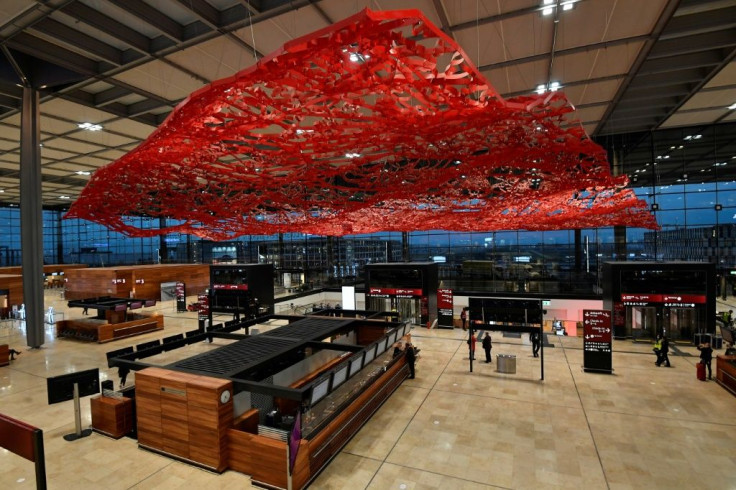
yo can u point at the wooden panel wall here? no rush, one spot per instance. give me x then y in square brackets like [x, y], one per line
[368, 333]
[14, 285]
[181, 414]
[47, 268]
[264, 459]
[98, 281]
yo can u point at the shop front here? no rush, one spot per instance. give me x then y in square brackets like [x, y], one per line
[647, 299]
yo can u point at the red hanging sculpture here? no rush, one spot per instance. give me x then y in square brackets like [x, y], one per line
[376, 123]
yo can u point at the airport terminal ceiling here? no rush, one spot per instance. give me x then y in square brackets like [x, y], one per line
[111, 71]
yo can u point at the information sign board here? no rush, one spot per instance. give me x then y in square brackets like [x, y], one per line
[597, 343]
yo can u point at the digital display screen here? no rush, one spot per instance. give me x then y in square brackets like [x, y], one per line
[356, 364]
[381, 348]
[370, 354]
[320, 390]
[340, 376]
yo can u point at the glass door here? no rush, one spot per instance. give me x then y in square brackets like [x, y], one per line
[409, 310]
[641, 321]
[681, 323]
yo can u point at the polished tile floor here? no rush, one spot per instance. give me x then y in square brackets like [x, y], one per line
[642, 427]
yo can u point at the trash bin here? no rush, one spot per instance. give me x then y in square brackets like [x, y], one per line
[506, 363]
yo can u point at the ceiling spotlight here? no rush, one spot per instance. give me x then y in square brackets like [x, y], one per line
[540, 89]
[732, 106]
[554, 86]
[81, 172]
[2, 190]
[697, 136]
[352, 155]
[567, 6]
[90, 127]
[64, 197]
[547, 11]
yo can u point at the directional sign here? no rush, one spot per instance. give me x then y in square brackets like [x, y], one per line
[597, 343]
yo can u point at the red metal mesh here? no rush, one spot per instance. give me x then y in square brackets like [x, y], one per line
[376, 123]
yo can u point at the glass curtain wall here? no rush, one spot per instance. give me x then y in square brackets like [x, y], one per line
[687, 176]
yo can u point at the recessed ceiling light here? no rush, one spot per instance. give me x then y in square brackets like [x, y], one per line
[547, 11]
[64, 197]
[89, 126]
[697, 136]
[567, 6]
[732, 107]
[2, 190]
[81, 172]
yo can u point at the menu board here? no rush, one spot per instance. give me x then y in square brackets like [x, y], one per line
[181, 297]
[444, 308]
[597, 340]
[204, 306]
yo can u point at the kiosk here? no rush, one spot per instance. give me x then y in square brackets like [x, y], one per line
[409, 288]
[649, 298]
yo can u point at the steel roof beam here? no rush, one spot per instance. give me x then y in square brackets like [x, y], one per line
[82, 41]
[152, 16]
[109, 96]
[667, 12]
[566, 52]
[108, 25]
[699, 23]
[694, 60]
[694, 44]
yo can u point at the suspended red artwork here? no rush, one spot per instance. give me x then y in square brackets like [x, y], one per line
[376, 123]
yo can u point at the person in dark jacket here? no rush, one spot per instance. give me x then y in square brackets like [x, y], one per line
[534, 337]
[663, 351]
[487, 345]
[706, 356]
[411, 357]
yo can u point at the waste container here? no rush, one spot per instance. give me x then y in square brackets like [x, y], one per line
[506, 363]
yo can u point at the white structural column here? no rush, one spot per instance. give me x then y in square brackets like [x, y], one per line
[31, 215]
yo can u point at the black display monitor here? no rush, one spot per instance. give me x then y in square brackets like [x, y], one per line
[61, 388]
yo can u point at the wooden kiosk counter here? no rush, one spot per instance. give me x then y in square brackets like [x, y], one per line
[316, 380]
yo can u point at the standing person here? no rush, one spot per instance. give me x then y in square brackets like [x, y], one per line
[534, 337]
[706, 356]
[411, 357]
[487, 345]
[664, 349]
[658, 350]
[471, 344]
[464, 317]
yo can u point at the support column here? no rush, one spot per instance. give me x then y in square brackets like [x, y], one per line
[619, 231]
[31, 216]
[578, 251]
[163, 246]
[405, 255]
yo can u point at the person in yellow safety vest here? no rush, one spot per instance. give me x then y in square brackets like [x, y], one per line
[658, 349]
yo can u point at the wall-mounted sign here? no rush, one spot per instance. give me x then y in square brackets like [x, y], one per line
[240, 287]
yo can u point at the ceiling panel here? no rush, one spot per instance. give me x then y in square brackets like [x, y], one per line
[592, 92]
[133, 129]
[727, 76]
[518, 78]
[161, 79]
[605, 20]
[595, 63]
[74, 146]
[588, 114]
[711, 99]
[65, 109]
[460, 11]
[692, 118]
[215, 59]
[498, 42]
